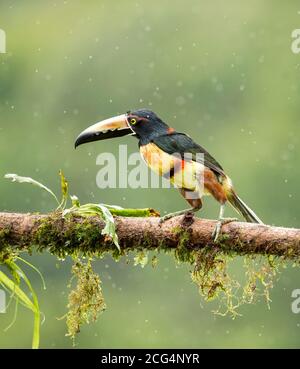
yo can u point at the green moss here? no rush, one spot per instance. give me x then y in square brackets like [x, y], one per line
[212, 275]
[154, 261]
[86, 301]
[182, 253]
[4, 236]
[141, 258]
[7, 254]
[64, 237]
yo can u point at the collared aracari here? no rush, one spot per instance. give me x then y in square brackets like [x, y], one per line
[177, 157]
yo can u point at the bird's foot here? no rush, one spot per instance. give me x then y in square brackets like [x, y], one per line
[218, 227]
[164, 218]
[176, 213]
[167, 217]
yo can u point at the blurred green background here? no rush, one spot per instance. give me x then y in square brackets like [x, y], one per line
[221, 71]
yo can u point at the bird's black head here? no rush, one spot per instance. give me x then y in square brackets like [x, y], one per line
[142, 123]
[146, 125]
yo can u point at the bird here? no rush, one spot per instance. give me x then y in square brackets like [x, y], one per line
[176, 157]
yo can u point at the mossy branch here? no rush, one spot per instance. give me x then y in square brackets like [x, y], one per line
[92, 230]
[73, 235]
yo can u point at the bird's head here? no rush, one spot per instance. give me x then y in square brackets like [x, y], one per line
[142, 123]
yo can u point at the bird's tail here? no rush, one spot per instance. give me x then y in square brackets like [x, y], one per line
[242, 208]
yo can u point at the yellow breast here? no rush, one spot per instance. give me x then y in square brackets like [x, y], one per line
[183, 174]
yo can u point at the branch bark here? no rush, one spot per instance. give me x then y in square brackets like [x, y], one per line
[35, 231]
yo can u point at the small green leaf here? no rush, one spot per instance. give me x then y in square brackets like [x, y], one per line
[19, 179]
[110, 227]
[36, 311]
[35, 269]
[115, 207]
[75, 201]
[147, 212]
[64, 190]
[14, 286]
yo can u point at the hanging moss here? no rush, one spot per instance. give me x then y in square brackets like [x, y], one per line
[86, 301]
[141, 258]
[211, 275]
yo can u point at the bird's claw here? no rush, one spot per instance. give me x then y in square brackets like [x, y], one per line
[218, 227]
[165, 217]
[177, 213]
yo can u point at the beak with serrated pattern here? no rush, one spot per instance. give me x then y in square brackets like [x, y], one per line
[108, 128]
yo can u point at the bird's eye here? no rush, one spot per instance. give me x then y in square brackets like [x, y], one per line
[132, 121]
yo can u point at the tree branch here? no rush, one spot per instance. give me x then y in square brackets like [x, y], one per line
[61, 236]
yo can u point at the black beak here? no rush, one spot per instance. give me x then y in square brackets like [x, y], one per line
[108, 128]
